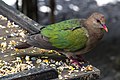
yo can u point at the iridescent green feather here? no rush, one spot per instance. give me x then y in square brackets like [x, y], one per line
[62, 36]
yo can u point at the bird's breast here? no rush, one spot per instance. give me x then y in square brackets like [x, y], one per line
[93, 39]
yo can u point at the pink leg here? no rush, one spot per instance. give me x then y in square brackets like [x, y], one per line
[75, 61]
[79, 60]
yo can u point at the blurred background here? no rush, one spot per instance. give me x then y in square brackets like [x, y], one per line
[106, 56]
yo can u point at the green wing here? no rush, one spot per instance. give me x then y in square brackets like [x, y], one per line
[68, 35]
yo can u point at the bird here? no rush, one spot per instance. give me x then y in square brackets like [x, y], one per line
[72, 37]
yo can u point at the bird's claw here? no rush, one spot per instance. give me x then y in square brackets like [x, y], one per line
[79, 64]
[82, 66]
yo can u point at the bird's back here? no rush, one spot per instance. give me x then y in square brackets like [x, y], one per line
[69, 35]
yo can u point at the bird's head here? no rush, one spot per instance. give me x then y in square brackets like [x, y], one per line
[97, 20]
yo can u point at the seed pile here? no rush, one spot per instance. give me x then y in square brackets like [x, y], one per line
[10, 35]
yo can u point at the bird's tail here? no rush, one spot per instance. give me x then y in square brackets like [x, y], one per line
[22, 45]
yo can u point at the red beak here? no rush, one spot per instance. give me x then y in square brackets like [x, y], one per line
[105, 28]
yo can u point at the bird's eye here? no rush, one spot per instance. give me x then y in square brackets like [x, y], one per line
[102, 19]
[98, 21]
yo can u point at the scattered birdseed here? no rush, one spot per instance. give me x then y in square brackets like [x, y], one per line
[12, 54]
[5, 55]
[2, 17]
[60, 77]
[38, 61]
[27, 58]
[33, 58]
[2, 26]
[3, 44]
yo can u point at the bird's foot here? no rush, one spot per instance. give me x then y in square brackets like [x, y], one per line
[82, 66]
[80, 62]
[76, 63]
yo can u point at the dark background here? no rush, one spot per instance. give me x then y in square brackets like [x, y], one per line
[106, 56]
